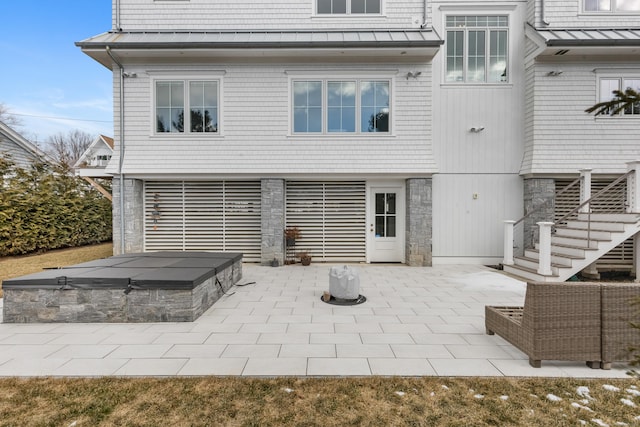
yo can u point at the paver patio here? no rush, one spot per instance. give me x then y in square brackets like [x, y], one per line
[416, 322]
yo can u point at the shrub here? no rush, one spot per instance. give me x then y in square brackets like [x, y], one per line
[44, 207]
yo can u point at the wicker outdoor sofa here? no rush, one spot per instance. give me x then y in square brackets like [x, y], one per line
[574, 321]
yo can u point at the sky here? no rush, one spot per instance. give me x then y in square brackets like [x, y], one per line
[45, 79]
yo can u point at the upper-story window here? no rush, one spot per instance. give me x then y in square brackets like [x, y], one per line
[348, 7]
[612, 5]
[200, 97]
[341, 106]
[477, 47]
[610, 84]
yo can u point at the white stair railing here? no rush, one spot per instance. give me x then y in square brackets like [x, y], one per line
[544, 261]
[609, 199]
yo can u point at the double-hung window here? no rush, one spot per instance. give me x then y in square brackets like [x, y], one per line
[199, 99]
[477, 47]
[345, 106]
[610, 84]
[612, 6]
[348, 7]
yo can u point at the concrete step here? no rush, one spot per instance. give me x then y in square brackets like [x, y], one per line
[528, 274]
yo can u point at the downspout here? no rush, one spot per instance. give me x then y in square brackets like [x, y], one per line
[121, 159]
[424, 21]
[544, 21]
[118, 27]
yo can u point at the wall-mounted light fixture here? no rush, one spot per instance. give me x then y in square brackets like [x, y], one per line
[131, 75]
[477, 129]
[413, 74]
[555, 73]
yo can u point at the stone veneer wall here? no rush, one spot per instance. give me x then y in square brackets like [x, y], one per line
[536, 192]
[419, 222]
[272, 213]
[113, 305]
[133, 218]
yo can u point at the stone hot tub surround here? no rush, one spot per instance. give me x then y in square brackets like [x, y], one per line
[141, 287]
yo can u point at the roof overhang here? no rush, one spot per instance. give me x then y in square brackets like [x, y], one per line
[586, 42]
[138, 45]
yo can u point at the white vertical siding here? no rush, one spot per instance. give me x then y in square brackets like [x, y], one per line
[485, 163]
[468, 227]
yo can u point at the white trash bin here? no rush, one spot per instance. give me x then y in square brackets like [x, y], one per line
[344, 282]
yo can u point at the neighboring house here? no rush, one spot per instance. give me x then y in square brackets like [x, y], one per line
[22, 152]
[94, 160]
[386, 130]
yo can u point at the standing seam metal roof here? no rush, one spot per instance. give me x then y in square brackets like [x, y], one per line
[591, 37]
[235, 39]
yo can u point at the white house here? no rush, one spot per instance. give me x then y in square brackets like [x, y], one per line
[93, 162]
[18, 148]
[386, 130]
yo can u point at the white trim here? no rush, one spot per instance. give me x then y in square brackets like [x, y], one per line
[347, 14]
[351, 75]
[466, 260]
[401, 206]
[505, 10]
[186, 77]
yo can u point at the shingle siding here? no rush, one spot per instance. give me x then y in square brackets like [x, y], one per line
[563, 137]
[255, 136]
[255, 14]
[569, 14]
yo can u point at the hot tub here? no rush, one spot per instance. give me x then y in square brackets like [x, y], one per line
[141, 287]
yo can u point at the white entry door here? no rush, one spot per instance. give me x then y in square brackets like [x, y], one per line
[386, 224]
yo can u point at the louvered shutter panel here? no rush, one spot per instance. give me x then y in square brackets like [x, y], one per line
[620, 257]
[331, 217]
[211, 216]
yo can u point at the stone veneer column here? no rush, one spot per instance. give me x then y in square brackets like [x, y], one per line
[133, 218]
[419, 222]
[536, 192]
[272, 206]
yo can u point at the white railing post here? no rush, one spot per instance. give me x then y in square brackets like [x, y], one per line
[544, 266]
[633, 187]
[585, 189]
[508, 242]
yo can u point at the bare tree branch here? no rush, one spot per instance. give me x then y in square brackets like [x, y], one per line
[8, 118]
[67, 148]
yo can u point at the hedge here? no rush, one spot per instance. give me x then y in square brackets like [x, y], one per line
[45, 207]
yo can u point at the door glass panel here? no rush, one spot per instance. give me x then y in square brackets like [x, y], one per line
[379, 225]
[385, 216]
[380, 208]
[391, 226]
[391, 203]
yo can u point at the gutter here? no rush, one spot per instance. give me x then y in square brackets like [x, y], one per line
[121, 159]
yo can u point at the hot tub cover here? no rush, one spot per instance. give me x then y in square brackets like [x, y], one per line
[148, 270]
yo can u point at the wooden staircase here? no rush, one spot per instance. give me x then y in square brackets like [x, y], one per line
[576, 245]
[574, 242]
